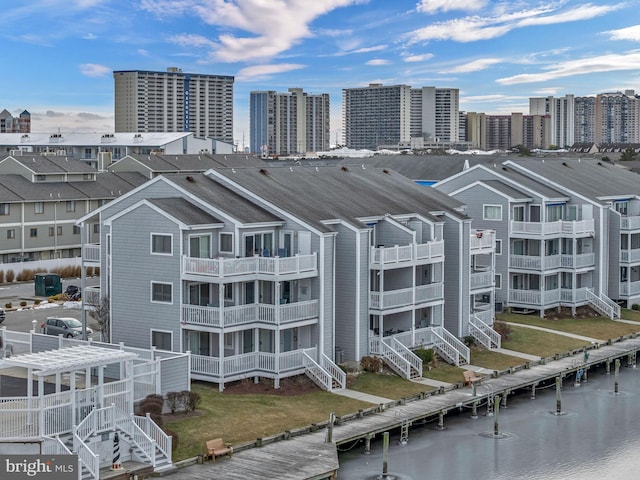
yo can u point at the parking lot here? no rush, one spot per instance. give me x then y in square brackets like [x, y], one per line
[22, 319]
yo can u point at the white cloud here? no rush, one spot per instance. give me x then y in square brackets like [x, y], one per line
[94, 70]
[272, 27]
[629, 33]
[602, 63]
[260, 72]
[376, 48]
[418, 58]
[433, 6]
[376, 62]
[89, 36]
[470, 29]
[71, 119]
[474, 66]
[143, 52]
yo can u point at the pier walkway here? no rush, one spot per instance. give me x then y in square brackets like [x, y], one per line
[310, 456]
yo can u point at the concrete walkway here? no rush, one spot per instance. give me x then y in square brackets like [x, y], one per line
[557, 332]
[365, 397]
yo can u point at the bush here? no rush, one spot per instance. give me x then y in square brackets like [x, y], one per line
[635, 306]
[1, 276]
[10, 276]
[89, 271]
[503, 329]
[191, 400]
[23, 303]
[37, 301]
[175, 400]
[7, 305]
[371, 364]
[469, 340]
[425, 354]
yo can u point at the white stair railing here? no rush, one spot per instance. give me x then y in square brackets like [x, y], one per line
[315, 372]
[125, 423]
[153, 431]
[603, 304]
[88, 459]
[395, 360]
[408, 355]
[480, 336]
[54, 446]
[495, 339]
[450, 347]
[334, 370]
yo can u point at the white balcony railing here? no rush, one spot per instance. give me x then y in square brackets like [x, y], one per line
[537, 298]
[481, 280]
[251, 313]
[548, 262]
[402, 255]
[406, 296]
[630, 256]
[91, 296]
[482, 240]
[91, 252]
[234, 267]
[629, 289]
[630, 223]
[560, 227]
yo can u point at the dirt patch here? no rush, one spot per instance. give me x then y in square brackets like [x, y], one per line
[564, 312]
[297, 385]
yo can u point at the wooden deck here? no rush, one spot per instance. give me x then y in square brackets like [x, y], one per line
[309, 456]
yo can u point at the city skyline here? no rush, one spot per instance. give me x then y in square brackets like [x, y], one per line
[62, 53]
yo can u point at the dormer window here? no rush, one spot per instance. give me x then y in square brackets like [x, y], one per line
[41, 178]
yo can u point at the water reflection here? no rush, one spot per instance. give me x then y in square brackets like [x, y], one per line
[597, 438]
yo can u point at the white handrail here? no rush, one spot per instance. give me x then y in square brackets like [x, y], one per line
[151, 428]
[408, 355]
[334, 370]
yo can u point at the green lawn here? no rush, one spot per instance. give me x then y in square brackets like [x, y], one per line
[494, 360]
[387, 386]
[542, 344]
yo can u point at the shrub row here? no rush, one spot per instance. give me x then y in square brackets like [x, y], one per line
[28, 274]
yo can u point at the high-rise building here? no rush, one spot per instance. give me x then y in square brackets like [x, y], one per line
[174, 101]
[435, 114]
[561, 112]
[376, 115]
[617, 117]
[11, 124]
[289, 123]
[585, 118]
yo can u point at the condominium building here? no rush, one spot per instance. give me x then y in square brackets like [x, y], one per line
[174, 101]
[584, 121]
[11, 124]
[289, 123]
[376, 115]
[435, 114]
[617, 117]
[561, 112]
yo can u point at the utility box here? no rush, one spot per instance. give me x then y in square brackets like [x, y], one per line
[47, 284]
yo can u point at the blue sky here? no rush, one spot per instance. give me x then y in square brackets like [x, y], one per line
[59, 55]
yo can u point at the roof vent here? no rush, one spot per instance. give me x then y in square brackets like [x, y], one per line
[385, 171]
[190, 178]
[344, 169]
[264, 172]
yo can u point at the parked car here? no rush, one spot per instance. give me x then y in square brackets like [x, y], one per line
[2, 315]
[66, 326]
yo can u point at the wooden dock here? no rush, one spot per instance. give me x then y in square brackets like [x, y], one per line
[309, 456]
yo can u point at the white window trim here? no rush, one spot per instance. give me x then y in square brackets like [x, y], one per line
[159, 331]
[152, 283]
[498, 242]
[151, 235]
[499, 281]
[220, 242]
[491, 219]
[232, 337]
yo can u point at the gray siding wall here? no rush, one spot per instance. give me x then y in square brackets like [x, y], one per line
[328, 318]
[345, 291]
[614, 256]
[388, 234]
[133, 314]
[174, 374]
[456, 276]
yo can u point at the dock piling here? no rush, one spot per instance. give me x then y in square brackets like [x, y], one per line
[441, 420]
[385, 454]
[558, 396]
[533, 391]
[474, 410]
[496, 407]
[617, 372]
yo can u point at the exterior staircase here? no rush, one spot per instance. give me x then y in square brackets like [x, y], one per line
[483, 333]
[398, 357]
[603, 304]
[326, 374]
[449, 347]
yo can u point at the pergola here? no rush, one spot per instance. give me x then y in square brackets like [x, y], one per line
[71, 360]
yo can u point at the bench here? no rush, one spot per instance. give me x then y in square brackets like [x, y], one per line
[470, 377]
[216, 448]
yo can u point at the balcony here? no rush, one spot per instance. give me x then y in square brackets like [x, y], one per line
[406, 297]
[407, 255]
[548, 298]
[630, 256]
[560, 228]
[91, 253]
[91, 296]
[238, 315]
[299, 266]
[630, 223]
[482, 242]
[629, 289]
[550, 262]
[481, 280]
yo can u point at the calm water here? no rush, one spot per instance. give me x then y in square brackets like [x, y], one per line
[598, 437]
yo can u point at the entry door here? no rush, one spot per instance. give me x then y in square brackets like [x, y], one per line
[304, 243]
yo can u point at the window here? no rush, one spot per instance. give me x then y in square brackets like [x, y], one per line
[161, 244]
[76, 230]
[4, 209]
[572, 213]
[161, 292]
[498, 281]
[71, 206]
[554, 213]
[11, 233]
[96, 228]
[498, 247]
[59, 233]
[226, 243]
[51, 231]
[492, 212]
[33, 232]
[228, 340]
[41, 178]
[161, 340]
[518, 213]
[38, 207]
[622, 207]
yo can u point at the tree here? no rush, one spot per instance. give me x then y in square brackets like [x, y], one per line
[628, 155]
[102, 315]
